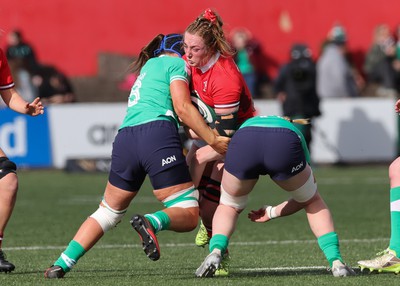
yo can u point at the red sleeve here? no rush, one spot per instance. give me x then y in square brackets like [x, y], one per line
[6, 80]
[227, 85]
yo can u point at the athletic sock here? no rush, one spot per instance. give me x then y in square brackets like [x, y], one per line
[70, 256]
[159, 221]
[395, 220]
[329, 244]
[220, 242]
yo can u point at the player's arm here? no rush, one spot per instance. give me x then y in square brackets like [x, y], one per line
[191, 117]
[226, 95]
[266, 213]
[15, 102]
[226, 120]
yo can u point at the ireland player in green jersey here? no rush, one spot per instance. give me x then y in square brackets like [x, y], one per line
[273, 146]
[389, 259]
[148, 143]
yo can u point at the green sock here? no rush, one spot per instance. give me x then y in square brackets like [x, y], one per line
[395, 220]
[70, 256]
[159, 221]
[220, 242]
[329, 244]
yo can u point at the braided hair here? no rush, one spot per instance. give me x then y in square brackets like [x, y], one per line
[208, 26]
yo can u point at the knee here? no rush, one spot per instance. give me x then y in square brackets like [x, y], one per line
[193, 218]
[9, 184]
[107, 217]
[8, 176]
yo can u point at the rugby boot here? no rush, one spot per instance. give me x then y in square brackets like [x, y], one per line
[339, 269]
[223, 269]
[385, 261]
[210, 264]
[202, 238]
[5, 266]
[54, 271]
[146, 233]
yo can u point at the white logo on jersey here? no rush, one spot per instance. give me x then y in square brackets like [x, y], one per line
[205, 86]
[135, 91]
[294, 169]
[168, 160]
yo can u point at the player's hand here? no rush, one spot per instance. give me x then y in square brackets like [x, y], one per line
[259, 215]
[397, 106]
[35, 107]
[221, 144]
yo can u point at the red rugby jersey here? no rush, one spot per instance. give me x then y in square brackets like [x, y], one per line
[6, 80]
[221, 85]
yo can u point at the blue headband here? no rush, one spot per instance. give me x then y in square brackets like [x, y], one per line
[171, 43]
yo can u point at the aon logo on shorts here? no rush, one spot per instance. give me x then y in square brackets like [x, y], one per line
[168, 160]
[294, 169]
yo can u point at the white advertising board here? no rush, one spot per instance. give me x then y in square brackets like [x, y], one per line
[83, 130]
[360, 130]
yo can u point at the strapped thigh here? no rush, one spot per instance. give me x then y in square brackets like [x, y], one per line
[7, 166]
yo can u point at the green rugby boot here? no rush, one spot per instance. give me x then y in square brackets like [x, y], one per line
[223, 269]
[202, 238]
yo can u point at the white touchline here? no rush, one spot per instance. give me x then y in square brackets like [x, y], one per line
[248, 243]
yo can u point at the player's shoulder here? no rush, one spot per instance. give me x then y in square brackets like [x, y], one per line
[228, 66]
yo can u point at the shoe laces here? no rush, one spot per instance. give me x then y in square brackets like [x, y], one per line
[384, 253]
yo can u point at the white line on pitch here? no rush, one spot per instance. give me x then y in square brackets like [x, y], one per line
[249, 243]
[283, 268]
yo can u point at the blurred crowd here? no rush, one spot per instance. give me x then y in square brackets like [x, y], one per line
[305, 79]
[330, 72]
[32, 78]
[336, 75]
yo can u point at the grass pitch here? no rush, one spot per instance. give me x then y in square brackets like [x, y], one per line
[52, 204]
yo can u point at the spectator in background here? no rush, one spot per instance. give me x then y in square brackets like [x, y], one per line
[381, 65]
[335, 76]
[249, 59]
[296, 88]
[23, 64]
[53, 86]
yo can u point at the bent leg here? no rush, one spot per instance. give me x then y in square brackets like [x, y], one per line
[8, 196]
[198, 159]
[301, 187]
[394, 177]
[182, 211]
[227, 213]
[92, 229]
[209, 200]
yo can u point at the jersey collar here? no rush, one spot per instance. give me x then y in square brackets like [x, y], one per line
[210, 63]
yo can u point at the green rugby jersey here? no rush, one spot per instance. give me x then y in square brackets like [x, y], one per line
[150, 97]
[276, 122]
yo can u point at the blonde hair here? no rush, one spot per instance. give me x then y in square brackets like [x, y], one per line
[302, 121]
[208, 26]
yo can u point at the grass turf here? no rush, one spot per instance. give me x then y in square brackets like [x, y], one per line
[52, 204]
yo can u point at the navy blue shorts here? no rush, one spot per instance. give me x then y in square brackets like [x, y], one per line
[255, 151]
[153, 148]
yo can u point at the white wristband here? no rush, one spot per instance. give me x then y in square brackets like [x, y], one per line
[271, 212]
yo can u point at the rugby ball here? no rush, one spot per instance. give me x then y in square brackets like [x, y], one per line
[206, 111]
